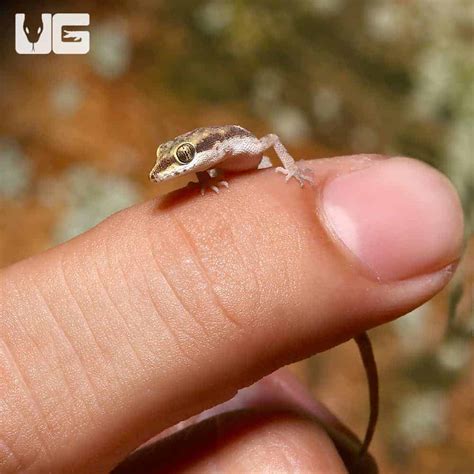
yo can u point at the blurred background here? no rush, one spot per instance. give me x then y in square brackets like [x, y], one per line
[78, 136]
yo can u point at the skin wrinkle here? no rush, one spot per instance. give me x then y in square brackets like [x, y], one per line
[28, 390]
[69, 342]
[284, 441]
[112, 305]
[251, 236]
[284, 446]
[187, 238]
[43, 447]
[130, 298]
[288, 237]
[70, 391]
[279, 457]
[148, 295]
[9, 456]
[257, 294]
[117, 310]
[283, 264]
[229, 253]
[86, 320]
[172, 287]
[258, 266]
[171, 331]
[37, 453]
[62, 272]
[288, 440]
[104, 348]
[159, 313]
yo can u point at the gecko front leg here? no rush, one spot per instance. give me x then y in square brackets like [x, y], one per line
[208, 179]
[290, 168]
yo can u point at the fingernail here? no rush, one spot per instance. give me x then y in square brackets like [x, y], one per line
[399, 217]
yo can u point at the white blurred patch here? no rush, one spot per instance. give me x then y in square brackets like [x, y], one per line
[90, 198]
[66, 97]
[290, 124]
[326, 7]
[214, 16]
[326, 104]
[435, 82]
[412, 328]
[454, 355]
[385, 21]
[267, 88]
[111, 49]
[15, 170]
[422, 418]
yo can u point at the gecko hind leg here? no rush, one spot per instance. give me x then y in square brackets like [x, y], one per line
[265, 163]
[290, 169]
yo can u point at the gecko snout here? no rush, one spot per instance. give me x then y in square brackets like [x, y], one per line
[152, 175]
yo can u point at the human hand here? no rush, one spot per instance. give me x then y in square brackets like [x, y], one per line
[168, 308]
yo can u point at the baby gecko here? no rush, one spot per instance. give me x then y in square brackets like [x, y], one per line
[208, 151]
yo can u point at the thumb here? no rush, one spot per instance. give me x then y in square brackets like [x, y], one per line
[169, 307]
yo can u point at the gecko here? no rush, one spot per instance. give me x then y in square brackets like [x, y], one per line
[208, 152]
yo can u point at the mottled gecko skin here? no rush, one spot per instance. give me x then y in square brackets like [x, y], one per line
[212, 145]
[228, 147]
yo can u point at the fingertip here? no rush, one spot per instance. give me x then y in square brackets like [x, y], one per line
[400, 217]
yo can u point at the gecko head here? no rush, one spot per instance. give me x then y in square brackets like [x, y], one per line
[174, 158]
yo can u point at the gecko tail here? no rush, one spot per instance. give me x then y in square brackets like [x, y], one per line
[367, 354]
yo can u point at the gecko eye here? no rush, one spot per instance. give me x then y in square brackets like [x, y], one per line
[184, 154]
[27, 30]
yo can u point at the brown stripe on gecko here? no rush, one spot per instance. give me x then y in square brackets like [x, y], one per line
[219, 134]
[164, 162]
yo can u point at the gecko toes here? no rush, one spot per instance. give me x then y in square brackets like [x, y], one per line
[296, 173]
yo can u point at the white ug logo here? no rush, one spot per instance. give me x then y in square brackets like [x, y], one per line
[41, 34]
